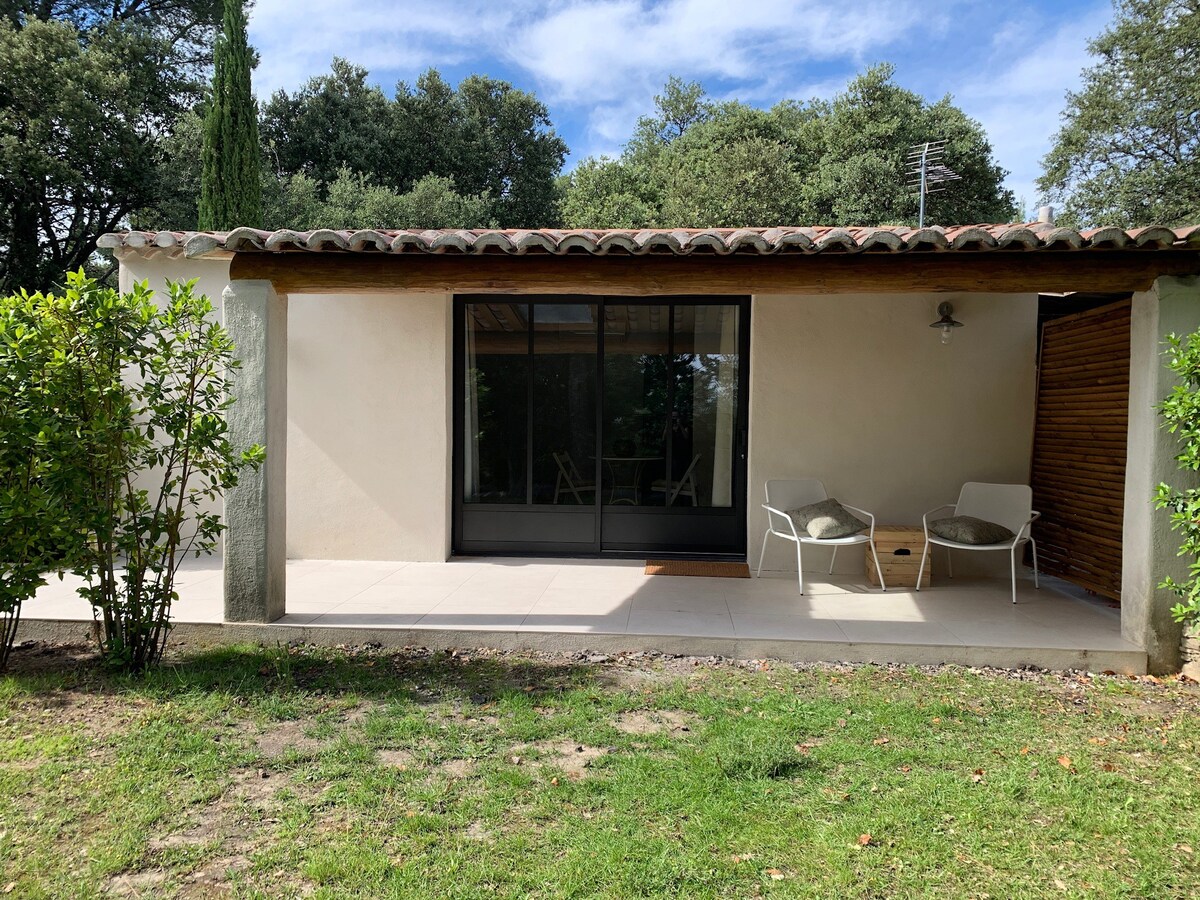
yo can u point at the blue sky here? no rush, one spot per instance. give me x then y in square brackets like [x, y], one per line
[597, 64]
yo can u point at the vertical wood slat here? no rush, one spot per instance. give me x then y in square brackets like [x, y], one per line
[1089, 352]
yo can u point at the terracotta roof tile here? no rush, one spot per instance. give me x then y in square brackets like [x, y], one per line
[677, 241]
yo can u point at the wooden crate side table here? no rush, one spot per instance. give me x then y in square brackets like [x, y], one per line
[900, 548]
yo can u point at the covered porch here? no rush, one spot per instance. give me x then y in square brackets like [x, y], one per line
[350, 365]
[612, 605]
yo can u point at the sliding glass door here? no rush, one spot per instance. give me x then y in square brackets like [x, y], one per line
[589, 424]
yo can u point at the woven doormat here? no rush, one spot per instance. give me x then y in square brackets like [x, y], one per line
[689, 567]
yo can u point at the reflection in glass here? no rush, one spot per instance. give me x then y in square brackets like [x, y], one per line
[668, 403]
[564, 403]
[636, 386]
[496, 403]
[704, 406]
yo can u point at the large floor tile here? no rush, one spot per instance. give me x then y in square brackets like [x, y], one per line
[199, 612]
[686, 584]
[884, 608]
[786, 628]
[573, 623]
[401, 598]
[467, 620]
[301, 565]
[1015, 633]
[865, 631]
[793, 604]
[680, 623]
[586, 601]
[331, 593]
[315, 607]
[496, 595]
[647, 601]
[433, 573]
[296, 618]
[353, 619]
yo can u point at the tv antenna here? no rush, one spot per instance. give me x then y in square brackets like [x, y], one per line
[926, 171]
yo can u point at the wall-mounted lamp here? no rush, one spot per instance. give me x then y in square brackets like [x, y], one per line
[947, 323]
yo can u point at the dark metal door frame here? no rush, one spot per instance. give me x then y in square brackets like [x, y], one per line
[737, 511]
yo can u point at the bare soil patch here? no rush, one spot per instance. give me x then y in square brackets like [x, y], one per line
[457, 768]
[278, 738]
[137, 884]
[658, 721]
[31, 657]
[477, 832]
[570, 757]
[223, 824]
[398, 759]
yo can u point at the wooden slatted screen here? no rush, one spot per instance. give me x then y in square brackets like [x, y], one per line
[1078, 472]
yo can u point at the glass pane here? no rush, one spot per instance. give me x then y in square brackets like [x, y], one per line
[704, 410]
[636, 367]
[496, 404]
[564, 403]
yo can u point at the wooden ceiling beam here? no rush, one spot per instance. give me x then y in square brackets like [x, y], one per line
[960, 272]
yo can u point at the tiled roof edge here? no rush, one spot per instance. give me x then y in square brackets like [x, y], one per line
[659, 241]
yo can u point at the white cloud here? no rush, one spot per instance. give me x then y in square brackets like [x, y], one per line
[298, 39]
[603, 49]
[1021, 98]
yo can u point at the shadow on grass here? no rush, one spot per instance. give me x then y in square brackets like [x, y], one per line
[250, 671]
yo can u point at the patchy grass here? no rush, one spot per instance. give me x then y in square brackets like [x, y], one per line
[251, 772]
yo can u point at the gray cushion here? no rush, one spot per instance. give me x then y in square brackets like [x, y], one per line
[827, 520]
[970, 530]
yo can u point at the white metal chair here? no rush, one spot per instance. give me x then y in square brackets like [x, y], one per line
[1009, 505]
[684, 487]
[569, 480]
[784, 494]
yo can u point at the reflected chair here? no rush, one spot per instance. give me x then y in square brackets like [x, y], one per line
[569, 480]
[684, 487]
[786, 494]
[1004, 504]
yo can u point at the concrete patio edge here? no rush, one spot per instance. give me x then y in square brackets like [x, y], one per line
[1127, 662]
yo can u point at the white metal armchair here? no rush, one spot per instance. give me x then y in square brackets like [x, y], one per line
[684, 487]
[785, 494]
[569, 480]
[1005, 504]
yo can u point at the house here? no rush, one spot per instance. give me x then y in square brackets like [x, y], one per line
[430, 393]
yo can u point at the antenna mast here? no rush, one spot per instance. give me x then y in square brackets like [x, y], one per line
[926, 172]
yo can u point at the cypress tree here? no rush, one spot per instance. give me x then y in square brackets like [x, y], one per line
[230, 191]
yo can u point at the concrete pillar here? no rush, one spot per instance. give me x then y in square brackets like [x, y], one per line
[1149, 545]
[255, 510]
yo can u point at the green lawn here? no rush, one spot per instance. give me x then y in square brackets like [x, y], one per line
[257, 772]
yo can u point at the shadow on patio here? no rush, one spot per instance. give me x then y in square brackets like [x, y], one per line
[612, 604]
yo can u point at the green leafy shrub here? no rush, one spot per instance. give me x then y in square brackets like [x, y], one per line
[38, 470]
[144, 453]
[1181, 416]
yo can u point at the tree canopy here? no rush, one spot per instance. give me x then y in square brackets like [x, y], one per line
[486, 137]
[700, 163]
[231, 171]
[1128, 152]
[86, 88]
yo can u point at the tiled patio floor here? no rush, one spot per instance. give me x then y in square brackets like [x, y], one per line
[594, 597]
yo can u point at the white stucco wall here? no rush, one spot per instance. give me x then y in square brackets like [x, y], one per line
[369, 416]
[1150, 548]
[369, 427]
[858, 391]
[211, 274]
[854, 389]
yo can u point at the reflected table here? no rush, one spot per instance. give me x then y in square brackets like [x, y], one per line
[625, 478]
